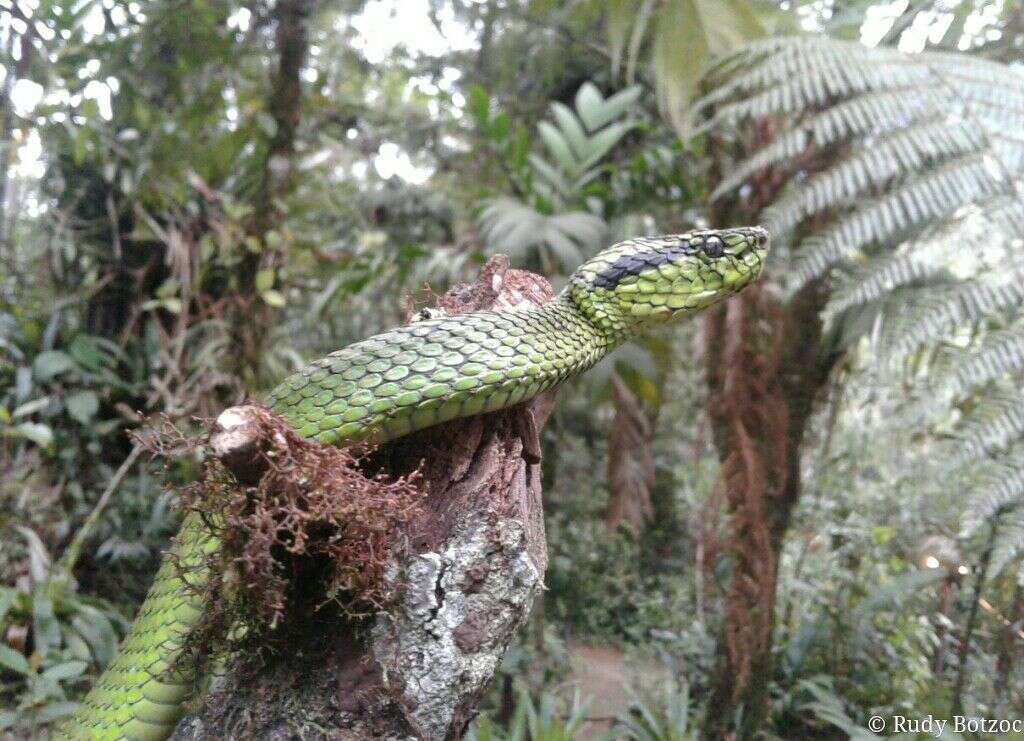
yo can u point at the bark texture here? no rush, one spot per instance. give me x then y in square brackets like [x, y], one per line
[464, 584]
[767, 362]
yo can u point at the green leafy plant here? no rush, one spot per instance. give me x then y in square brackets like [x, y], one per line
[550, 719]
[561, 219]
[669, 716]
[58, 636]
[891, 184]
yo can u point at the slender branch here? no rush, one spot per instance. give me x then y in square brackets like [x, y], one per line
[957, 706]
[74, 549]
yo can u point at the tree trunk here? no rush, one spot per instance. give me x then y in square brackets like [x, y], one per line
[766, 365]
[253, 317]
[764, 371]
[463, 586]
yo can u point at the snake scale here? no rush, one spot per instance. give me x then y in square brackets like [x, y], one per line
[410, 378]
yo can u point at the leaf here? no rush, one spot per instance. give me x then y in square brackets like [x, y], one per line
[51, 363]
[54, 710]
[14, 661]
[602, 142]
[36, 432]
[82, 406]
[549, 173]
[679, 55]
[86, 352]
[45, 628]
[501, 127]
[571, 129]
[39, 561]
[31, 407]
[65, 670]
[619, 18]
[590, 106]
[597, 112]
[273, 298]
[96, 630]
[479, 105]
[264, 279]
[557, 145]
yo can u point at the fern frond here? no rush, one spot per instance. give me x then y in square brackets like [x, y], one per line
[920, 199]
[804, 68]
[873, 165]
[795, 75]
[1009, 150]
[994, 427]
[906, 171]
[935, 311]
[1010, 543]
[875, 113]
[975, 231]
[992, 487]
[1000, 353]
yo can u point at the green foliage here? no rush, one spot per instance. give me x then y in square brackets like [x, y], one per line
[548, 720]
[668, 717]
[562, 218]
[902, 194]
[686, 37]
[118, 264]
[64, 636]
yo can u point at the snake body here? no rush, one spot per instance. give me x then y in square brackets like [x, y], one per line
[411, 378]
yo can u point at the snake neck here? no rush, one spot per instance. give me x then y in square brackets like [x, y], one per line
[428, 372]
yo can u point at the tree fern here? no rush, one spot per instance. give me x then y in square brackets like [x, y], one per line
[903, 193]
[795, 75]
[993, 428]
[890, 218]
[905, 150]
[933, 313]
[995, 487]
[1010, 546]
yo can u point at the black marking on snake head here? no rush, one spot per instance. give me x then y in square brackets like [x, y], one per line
[640, 262]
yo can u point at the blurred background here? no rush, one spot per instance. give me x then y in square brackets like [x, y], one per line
[799, 510]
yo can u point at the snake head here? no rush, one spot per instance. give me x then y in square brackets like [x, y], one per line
[650, 280]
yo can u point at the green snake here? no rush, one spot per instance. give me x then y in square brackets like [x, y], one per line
[411, 378]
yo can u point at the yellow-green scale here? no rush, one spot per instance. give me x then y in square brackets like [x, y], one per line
[138, 697]
[434, 371]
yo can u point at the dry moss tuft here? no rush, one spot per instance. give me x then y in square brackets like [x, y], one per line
[316, 530]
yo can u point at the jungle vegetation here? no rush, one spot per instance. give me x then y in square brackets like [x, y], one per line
[806, 507]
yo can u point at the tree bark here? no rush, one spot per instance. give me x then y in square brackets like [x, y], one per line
[767, 363]
[463, 586]
[765, 369]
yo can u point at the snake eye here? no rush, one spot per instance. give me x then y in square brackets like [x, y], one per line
[714, 246]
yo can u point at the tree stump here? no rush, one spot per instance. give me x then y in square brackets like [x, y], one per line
[461, 587]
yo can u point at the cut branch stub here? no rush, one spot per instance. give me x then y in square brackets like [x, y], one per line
[238, 441]
[459, 583]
